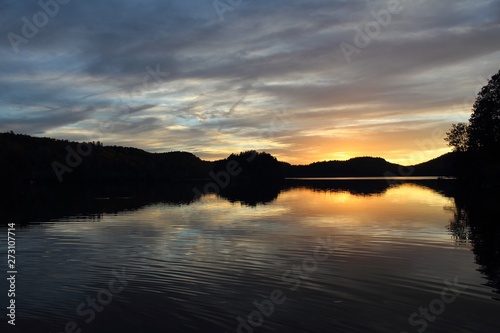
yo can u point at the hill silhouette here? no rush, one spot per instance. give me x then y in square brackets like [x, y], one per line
[354, 167]
[444, 165]
[27, 159]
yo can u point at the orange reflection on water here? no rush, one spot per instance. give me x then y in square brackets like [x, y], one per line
[399, 205]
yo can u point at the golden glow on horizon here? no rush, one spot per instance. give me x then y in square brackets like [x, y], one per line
[408, 145]
[405, 160]
[299, 152]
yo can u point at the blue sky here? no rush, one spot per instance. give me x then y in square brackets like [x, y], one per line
[265, 75]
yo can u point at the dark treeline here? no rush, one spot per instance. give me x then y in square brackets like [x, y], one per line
[477, 143]
[477, 148]
[360, 166]
[26, 159]
[252, 165]
[374, 167]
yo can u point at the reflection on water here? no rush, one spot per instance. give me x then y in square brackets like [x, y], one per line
[475, 220]
[199, 264]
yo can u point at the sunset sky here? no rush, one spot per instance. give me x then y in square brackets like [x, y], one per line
[214, 78]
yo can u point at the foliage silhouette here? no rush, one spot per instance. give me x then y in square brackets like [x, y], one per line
[26, 159]
[253, 165]
[479, 140]
[29, 159]
[360, 166]
[484, 123]
[458, 137]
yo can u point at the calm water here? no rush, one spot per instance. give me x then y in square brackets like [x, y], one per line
[349, 256]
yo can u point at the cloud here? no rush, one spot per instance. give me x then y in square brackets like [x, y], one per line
[169, 75]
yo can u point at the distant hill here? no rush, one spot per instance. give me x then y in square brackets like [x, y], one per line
[355, 167]
[252, 165]
[31, 159]
[444, 165]
[25, 159]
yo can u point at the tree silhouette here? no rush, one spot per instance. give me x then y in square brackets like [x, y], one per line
[482, 133]
[477, 143]
[458, 137]
[484, 123]
[253, 166]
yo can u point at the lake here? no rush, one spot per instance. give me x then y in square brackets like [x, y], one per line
[331, 255]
